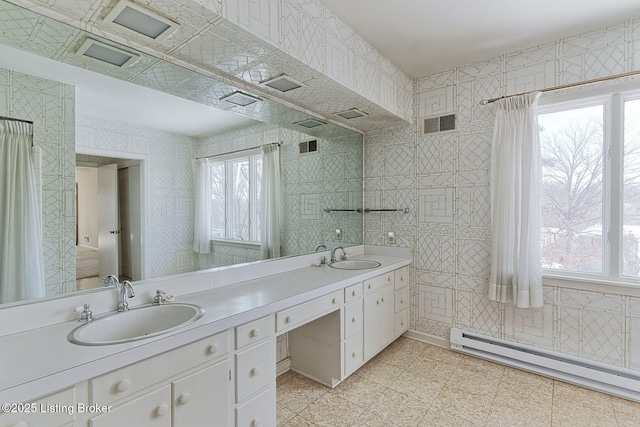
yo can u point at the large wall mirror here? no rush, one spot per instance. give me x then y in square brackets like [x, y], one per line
[147, 121]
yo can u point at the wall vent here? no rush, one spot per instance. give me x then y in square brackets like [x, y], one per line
[103, 52]
[439, 124]
[310, 123]
[282, 83]
[309, 146]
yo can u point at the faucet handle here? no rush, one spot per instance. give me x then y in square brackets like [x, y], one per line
[344, 255]
[86, 315]
[159, 299]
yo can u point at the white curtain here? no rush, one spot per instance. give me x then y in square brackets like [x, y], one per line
[516, 169]
[202, 226]
[21, 256]
[270, 202]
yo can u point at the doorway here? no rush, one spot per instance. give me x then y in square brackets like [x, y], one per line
[109, 219]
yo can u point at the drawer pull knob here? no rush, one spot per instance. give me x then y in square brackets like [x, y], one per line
[162, 410]
[353, 320]
[212, 349]
[333, 301]
[401, 300]
[402, 322]
[353, 293]
[388, 278]
[255, 371]
[255, 332]
[184, 399]
[382, 299]
[377, 301]
[369, 286]
[255, 422]
[402, 278]
[288, 319]
[123, 386]
[353, 354]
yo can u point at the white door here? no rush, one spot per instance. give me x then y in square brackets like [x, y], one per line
[108, 224]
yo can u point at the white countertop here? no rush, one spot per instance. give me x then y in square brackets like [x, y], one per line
[39, 361]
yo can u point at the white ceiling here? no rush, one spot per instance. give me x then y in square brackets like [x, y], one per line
[105, 97]
[422, 37]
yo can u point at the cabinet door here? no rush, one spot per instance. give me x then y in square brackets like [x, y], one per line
[150, 410]
[202, 398]
[378, 321]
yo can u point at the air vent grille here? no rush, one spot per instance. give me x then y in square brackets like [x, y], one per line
[439, 124]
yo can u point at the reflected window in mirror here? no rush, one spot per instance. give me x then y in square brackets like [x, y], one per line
[235, 198]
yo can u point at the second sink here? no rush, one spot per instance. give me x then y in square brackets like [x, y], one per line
[355, 264]
[136, 324]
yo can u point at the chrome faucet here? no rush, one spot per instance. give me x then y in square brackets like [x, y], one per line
[126, 289]
[333, 254]
[320, 246]
[109, 280]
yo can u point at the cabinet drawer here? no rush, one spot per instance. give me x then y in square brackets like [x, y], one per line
[353, 318]
[202, 395]
[133, 378]
[300, 314]
[258, 411]
[352, 292]
[253, 332]
[38, 414]
[377, 282]
[150, 410]
[353, 357]
[255, 369]
[401, 277]
[401, 323]
[401, 299]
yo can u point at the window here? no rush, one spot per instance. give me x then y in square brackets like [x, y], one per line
[591, 187]
[235, 198]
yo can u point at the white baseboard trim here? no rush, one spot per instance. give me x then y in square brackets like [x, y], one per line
[283, 366]
[428, 338]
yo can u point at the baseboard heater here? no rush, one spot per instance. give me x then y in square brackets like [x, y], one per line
[576, 370]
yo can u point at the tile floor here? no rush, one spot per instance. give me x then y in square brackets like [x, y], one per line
[416, 384]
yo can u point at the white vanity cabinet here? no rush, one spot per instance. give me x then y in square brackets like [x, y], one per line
[379, 319]
[353, 328]
[55, 410]
[180, 388]
[255, 379]
[401, 301]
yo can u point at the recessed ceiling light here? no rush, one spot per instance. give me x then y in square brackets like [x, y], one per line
[95, 49]
[240, 98]
[353, 113]
[310, 123]
[282, 83]
[141, 20]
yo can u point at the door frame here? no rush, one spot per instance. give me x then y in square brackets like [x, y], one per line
[144, 216]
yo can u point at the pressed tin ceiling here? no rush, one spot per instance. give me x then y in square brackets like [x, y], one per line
[207, 43]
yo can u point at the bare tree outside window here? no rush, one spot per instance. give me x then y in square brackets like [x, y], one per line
[572, 143]
[631, 189]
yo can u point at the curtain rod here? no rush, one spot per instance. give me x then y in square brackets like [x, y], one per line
[566, 86]
[238, 151]
[22, 121]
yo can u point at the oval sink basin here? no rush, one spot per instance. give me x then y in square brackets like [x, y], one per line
[135, 324]
[355, 264]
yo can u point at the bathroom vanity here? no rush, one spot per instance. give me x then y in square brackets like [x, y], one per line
[221, 369]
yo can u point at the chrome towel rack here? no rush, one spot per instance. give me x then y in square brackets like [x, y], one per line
[367, 210]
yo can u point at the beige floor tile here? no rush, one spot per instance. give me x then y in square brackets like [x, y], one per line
[416, 387]
[398, 357]
[283, 414]
[473, 382]
[482, 367]
[409, 345]
[627, 412]
[299, 421]
[442, 355]
[525, 379]
[587, 413]
[378, 372]
[432, 369]
[369, 419]
[330, 410]
[457, 402]
[285, 377]
[576, 394]
[505, 416]
[438, 418]
[397, 408]
[299, 392]
[359, 390]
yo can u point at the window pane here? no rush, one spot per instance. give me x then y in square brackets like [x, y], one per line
[631, 189]
[218, 200]
[572, 203]
[239, 219]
